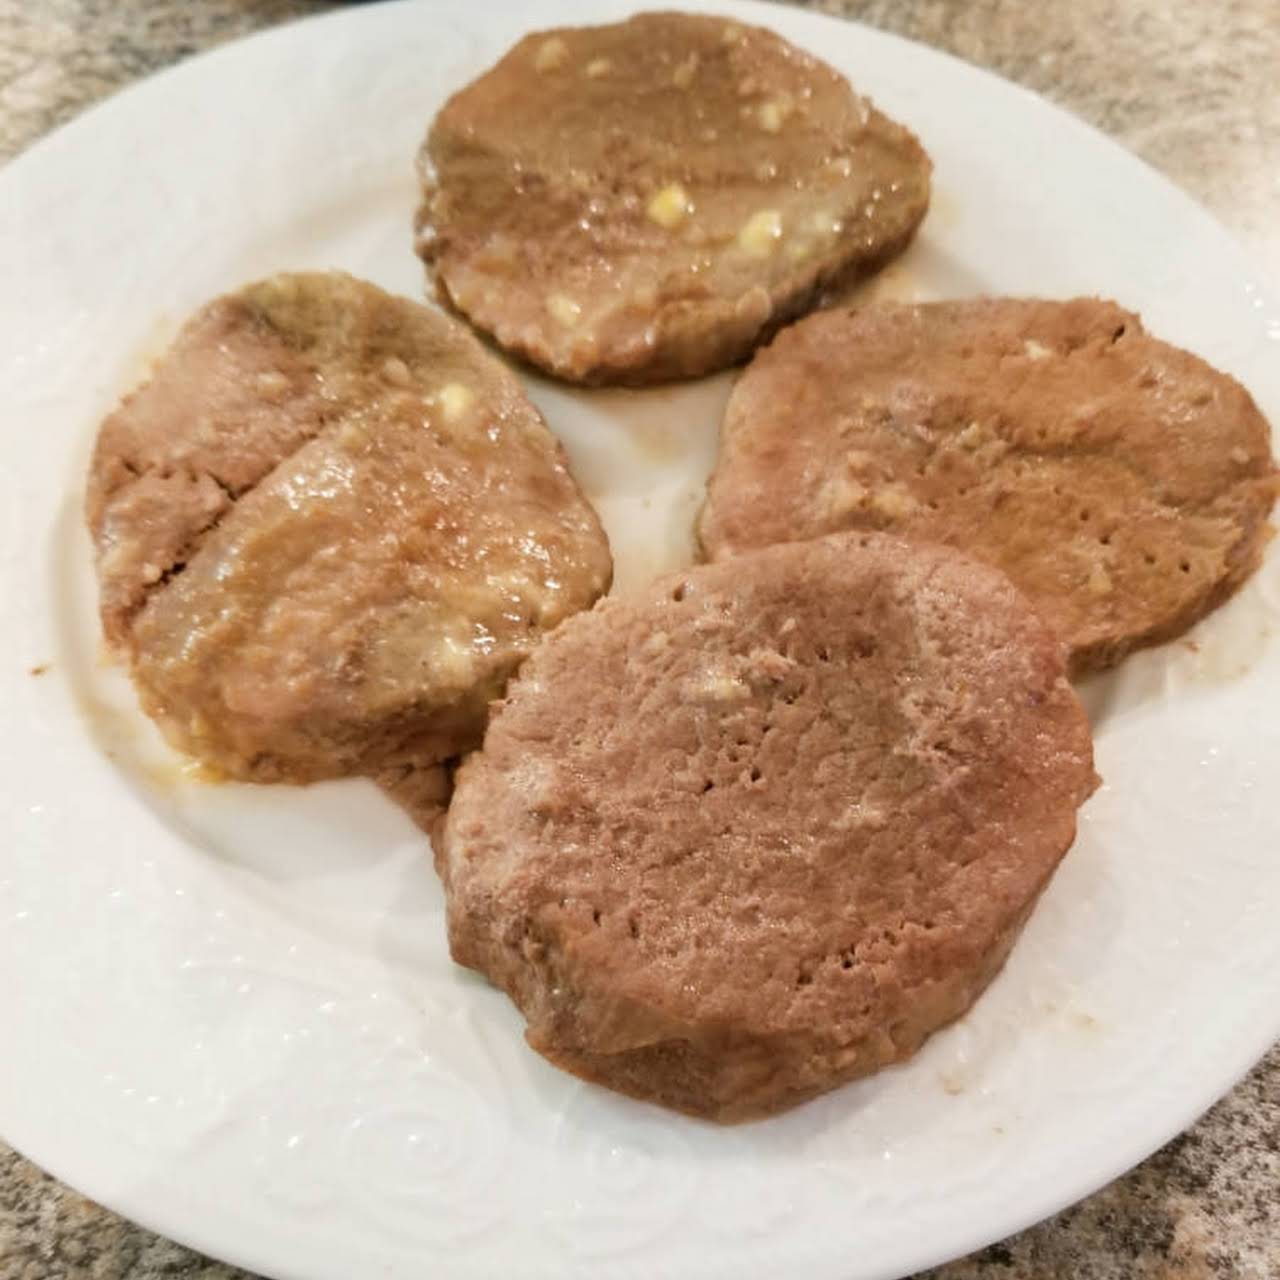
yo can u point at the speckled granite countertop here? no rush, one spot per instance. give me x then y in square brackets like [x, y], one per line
[1192, 88]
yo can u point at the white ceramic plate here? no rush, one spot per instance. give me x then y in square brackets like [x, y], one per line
[228, 1012]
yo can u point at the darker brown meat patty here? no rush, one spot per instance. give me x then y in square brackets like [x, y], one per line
[327, 530]
[1122, 483]
[763, 827]
[650, 199]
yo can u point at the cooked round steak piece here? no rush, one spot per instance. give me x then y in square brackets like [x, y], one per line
[1122, 483]
[763, 827]
[327, 530]
[648, 200]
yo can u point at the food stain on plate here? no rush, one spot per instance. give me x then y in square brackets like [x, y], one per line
[139, 359]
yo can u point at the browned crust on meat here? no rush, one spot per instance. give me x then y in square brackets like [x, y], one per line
[1122, 483]
[423, 793]
[763, 827]
[539, 177]
[682, 1074]
[327, 529]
